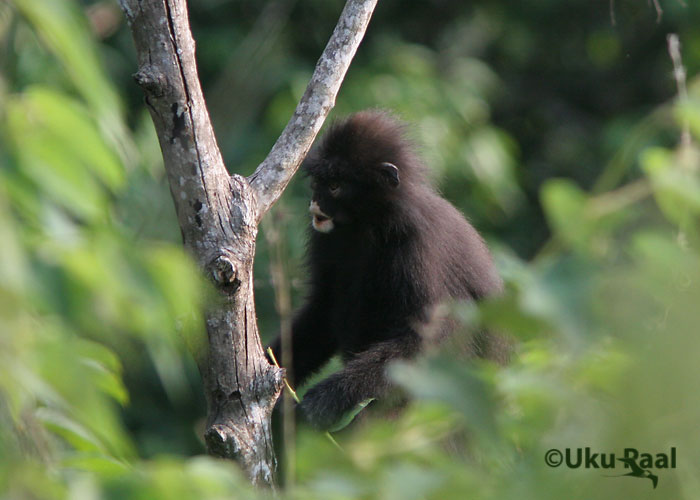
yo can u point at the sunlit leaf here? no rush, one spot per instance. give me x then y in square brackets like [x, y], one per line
[676, 184]
[72, 431]
[64, 30]
[565, 204]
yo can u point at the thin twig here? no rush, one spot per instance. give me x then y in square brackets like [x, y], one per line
[298, 400]
[614, 201]
[659, 10]
[674, 50]
[612, 13]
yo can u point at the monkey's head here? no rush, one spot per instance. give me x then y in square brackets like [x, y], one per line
[360, 172]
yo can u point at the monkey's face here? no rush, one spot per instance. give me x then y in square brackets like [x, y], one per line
[340, 199]
[321, 222]
[328, 205]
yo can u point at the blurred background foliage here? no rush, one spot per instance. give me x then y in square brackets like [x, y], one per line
[555, 126]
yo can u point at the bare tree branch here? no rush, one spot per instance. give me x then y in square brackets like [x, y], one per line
[273, 174]
[219, 214]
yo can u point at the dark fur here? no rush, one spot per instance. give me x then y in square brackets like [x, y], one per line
[396, 252]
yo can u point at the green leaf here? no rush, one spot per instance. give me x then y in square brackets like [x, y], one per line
[689, 111]
[487, 152]
[106, 381]
[77, 435]
[676, 182]
[58, 148]
[409, 482]
[14, 270]
[101, 465]
[350, 416]
[62, 26]
[99, 353]
[69, 122]
[564, 204]
[453, 383]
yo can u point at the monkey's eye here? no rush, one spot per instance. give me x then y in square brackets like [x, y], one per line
[334, 189]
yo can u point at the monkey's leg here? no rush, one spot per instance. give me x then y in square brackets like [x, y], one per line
[363, 378]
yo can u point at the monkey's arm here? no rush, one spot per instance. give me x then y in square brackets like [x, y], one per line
[312, 342]
[363, 378]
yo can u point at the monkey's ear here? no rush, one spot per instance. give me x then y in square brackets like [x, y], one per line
[391, 173]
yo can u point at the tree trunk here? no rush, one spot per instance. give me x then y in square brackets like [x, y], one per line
[219, 213]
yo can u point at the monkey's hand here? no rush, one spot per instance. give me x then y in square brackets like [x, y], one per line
[330, 406]
[336, 400]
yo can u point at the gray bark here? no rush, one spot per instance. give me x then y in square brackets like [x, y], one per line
[219, 213]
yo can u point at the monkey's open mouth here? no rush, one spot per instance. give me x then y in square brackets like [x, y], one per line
[320, 222]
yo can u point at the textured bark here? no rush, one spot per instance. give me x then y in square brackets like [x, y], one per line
[219, 213]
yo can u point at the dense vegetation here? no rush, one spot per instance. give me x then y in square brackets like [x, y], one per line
[556, 126]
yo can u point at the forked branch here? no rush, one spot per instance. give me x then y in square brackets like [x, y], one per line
[219, 213]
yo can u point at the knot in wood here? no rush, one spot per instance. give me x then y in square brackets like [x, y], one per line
[278, 380]
[224, 272]
[221, 441]
[150, 81]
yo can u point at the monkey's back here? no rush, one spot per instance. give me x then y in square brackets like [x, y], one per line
[388, 276]
[463, 268]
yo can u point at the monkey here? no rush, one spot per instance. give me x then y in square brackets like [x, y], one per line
[385, 250]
